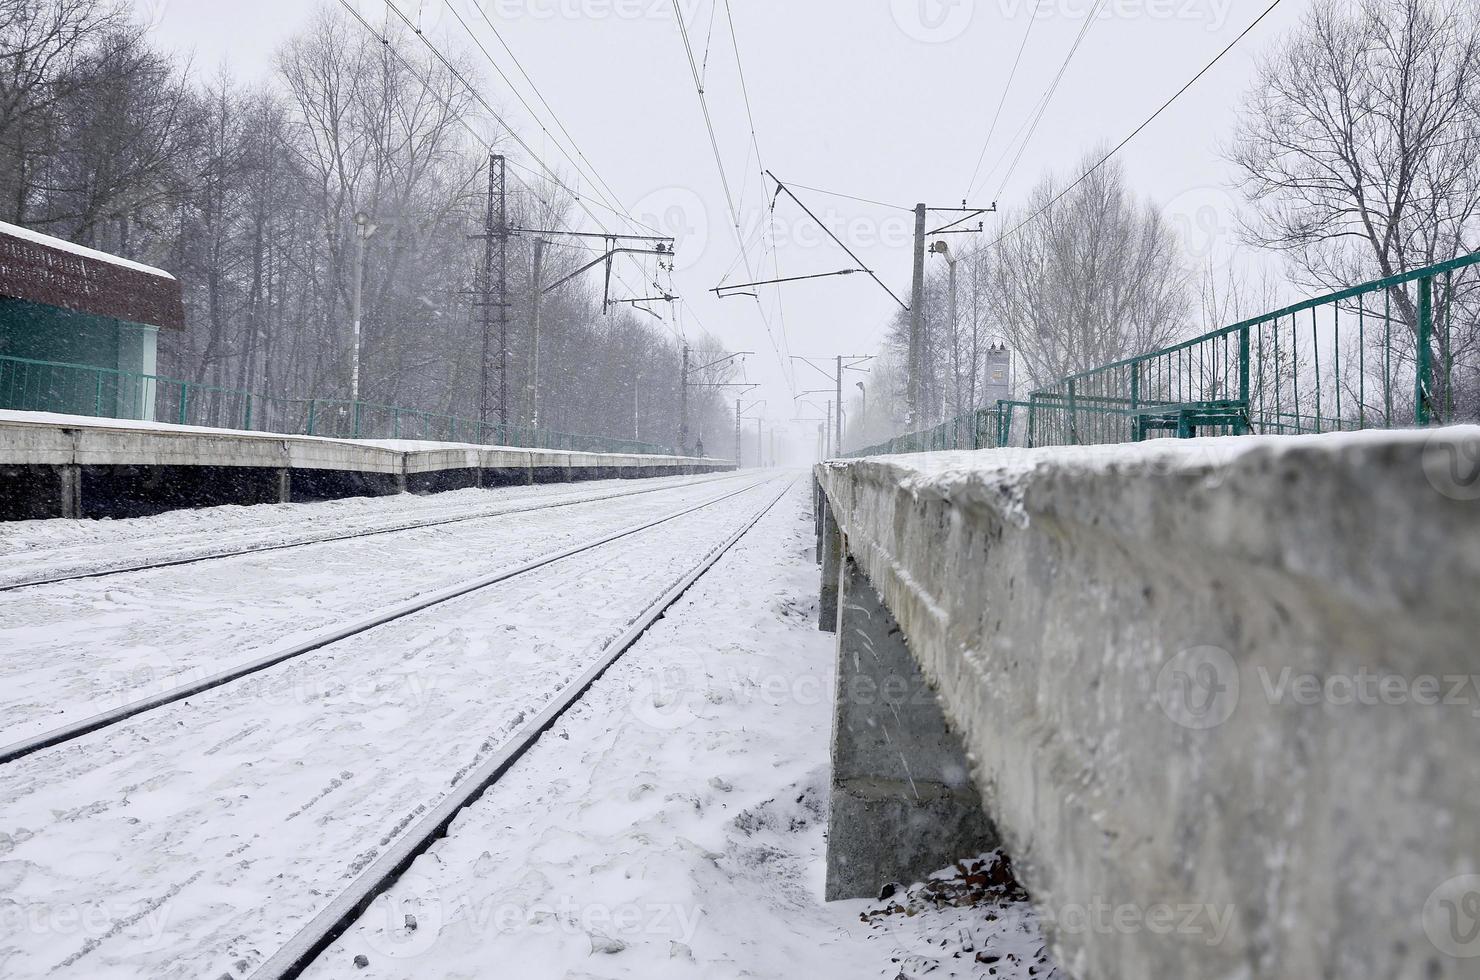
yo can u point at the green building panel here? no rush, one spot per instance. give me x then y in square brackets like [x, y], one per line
[58, 360]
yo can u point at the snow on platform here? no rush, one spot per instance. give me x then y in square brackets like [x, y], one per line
[45, 438]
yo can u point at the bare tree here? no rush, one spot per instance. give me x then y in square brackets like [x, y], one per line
[41, 43]
[1359, 143]
[1094, 278]
[248, 194]
[1359, 146]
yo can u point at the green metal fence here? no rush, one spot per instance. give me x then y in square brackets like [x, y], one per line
[985, 428]
[1400, 351]
[77, 389]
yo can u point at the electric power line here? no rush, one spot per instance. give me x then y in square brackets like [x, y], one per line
[761, 166]
[472, 90]
[1149, 119]
[1089, 21]
[850, 197]
[598, 179]
[549, 173]
[725, 179]
[971, 184]
[596, 182]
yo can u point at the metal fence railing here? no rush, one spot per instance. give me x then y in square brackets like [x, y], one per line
[79, 389]
[1399, 351]
[984, 428]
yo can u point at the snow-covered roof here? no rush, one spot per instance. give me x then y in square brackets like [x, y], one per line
[16, 231]
[53, 272]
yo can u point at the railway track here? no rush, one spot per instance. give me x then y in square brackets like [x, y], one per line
[82, 727]
[490, 514]
[320, 932]
[418, 809]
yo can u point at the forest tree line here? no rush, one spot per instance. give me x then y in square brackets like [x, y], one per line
[1357, 155]
[248, 195]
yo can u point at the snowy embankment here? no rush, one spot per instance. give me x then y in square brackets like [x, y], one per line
[688, 790]
[78, 648]
[672, 824]
[201, 833]
[43, 549]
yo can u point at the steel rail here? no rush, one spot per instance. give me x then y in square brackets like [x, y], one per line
[104, 719]
[323, 929]
[349, 536]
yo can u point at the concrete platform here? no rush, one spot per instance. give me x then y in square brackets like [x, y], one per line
[1219, 696]
[77, 466]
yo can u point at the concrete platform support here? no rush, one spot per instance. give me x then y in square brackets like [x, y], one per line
[819, 500]
[903, 804]
[70, 478]
[83, 467]
[1217, 694]
[831, 547]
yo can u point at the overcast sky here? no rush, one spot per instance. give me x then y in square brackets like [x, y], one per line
[884, 99]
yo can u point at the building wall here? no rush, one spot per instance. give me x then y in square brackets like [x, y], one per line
[998, 379]
[38, 332]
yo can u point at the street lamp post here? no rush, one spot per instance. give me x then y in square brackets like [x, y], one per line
[942, 249]
[863, 413]
[363, 230]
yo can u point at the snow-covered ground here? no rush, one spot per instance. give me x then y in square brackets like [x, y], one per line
[77, 648]
[35, 550]
[187, 832]
[670, 825]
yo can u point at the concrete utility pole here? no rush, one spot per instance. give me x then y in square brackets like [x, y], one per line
[829, 429]
[841, 363]
[838, 384]
[363, 230]
[496, 234]
[685, 385]
[740, 410]
[863, 409]
[636, 382]
[919, 341]
[683, 402]
[917, 316]
[534, 331]
[942, 249]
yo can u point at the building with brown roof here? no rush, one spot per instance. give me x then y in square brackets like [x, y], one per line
[79, 328]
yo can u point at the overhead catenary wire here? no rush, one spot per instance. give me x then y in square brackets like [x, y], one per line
[598, 178]
[849, 197]
[547, 173]
[708, 41]
[595, 178]
[472, 90]
[725, 181]
[1006, 88]
[760, 162]
[724, 177]
[1133, 133]
[1089, 21]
